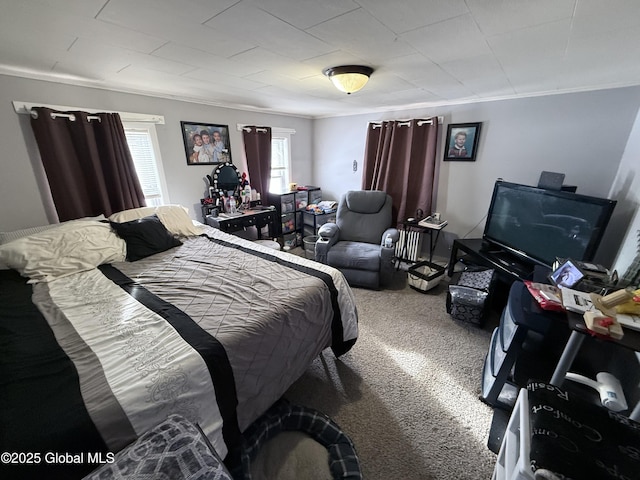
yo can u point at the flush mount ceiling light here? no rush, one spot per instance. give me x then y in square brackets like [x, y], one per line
[349, 78]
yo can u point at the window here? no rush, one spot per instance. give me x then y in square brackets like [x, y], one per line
[280, 159]
[143, 144]
[279, 164]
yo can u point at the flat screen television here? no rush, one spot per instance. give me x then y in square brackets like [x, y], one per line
[542, 225]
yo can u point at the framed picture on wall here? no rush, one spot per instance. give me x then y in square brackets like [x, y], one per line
[462, 141]
[206, 143]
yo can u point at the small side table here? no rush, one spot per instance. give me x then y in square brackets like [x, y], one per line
[414, 226]
[430, 228]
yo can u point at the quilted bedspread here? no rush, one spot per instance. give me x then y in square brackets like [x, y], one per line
[215, 330]
[268, 309]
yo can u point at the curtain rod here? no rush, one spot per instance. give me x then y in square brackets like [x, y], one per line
[258, 129]
[24, 108]
[406, 123]
[70, 116]
[291, 131]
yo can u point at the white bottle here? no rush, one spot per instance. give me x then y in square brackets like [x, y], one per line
[388, 241]
[232, 203]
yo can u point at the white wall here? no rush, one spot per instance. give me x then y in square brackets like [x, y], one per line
[20, 201]
[626, 188]
[582, 135]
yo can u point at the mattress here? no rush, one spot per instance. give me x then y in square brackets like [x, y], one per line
[215, 330]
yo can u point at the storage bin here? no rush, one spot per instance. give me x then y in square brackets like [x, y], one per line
[310, 246]
[288, 203]
[468, 296]
[302, 199]
[288, 222]
[315, 195]
[423, 276]
[290, 240]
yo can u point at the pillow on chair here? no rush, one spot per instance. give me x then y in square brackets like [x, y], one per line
[365, 201]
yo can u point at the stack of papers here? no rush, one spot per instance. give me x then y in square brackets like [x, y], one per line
[430, 223]
[576, 301]
[629, 321]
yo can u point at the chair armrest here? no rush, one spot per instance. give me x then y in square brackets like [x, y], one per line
[329, 235]
[395, 236]
[329, 230]
[322, 248]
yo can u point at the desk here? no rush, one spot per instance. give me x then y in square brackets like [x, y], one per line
[579, 333]
[249, 218]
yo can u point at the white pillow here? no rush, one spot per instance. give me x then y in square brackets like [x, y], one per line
[71, 247]
[174, 217]
[8, 236]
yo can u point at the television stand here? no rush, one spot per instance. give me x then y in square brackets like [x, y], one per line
[508, 267]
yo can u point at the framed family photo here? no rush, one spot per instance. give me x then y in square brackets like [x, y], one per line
[462, 141]
[206, 143]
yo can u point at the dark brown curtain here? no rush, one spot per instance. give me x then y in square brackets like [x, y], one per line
[400, 159]
[87, 161]
[257, 147]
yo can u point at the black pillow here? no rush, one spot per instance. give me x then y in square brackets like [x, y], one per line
[144, 237]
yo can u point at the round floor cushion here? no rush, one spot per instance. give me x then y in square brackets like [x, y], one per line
[296, 440]
[291, 456]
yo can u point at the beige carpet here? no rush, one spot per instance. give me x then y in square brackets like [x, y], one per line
[407, 393]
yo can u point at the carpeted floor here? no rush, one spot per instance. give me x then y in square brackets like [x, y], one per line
[407, 393]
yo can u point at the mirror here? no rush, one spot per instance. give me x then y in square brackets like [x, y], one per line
[226, 177]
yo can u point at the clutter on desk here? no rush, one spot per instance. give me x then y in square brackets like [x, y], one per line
[594, 277]
[576, 301]
[631, 306]
[600, 313]
[629, 321]
[547, 296]
[602, 324]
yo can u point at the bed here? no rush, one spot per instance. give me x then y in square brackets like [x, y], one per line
[96, 350]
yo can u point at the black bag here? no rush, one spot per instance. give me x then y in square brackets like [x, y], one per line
[469, 294]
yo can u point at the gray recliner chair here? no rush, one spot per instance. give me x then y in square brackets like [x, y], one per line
[355, 244]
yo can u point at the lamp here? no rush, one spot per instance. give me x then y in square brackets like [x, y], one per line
[348, 78]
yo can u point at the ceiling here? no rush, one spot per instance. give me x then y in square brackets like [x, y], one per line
[268, 55]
